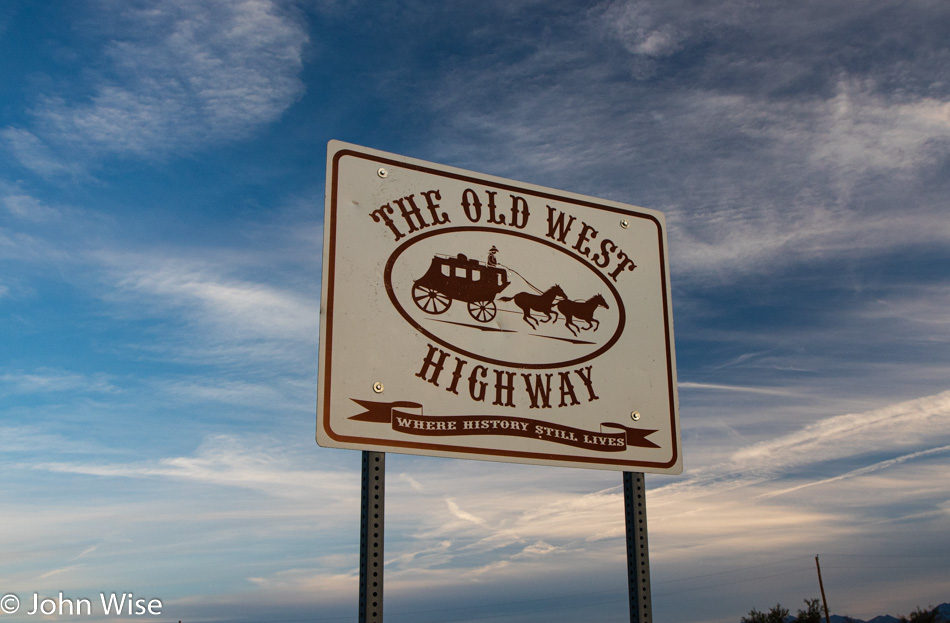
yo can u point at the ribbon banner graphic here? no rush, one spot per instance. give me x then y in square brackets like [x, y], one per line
[407, 417]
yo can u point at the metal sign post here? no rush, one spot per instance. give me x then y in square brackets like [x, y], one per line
[638, 552]
[371, 537]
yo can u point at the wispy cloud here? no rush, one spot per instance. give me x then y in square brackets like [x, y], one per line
[28, 439]
[36, 155]
[221, 461]
[754, 501]
[225, 310]
[868, 469]
[177, 75]
[462, 520]
[791, 160]
[24, 247]
[736, 388]
[55, 572]
[27, 207]
[48, 380]
[924, 307]
[463, 515]
[253, 308]
[920, 421]
[824, 484]
[864, 132]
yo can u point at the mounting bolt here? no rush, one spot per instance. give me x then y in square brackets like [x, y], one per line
[635, 416]
[624, 223]
[378, 387]
[383, 173]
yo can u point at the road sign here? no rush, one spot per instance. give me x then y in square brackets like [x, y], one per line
[470, 316]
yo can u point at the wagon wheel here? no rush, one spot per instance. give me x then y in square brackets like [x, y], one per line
[482, 311]
[429, 300]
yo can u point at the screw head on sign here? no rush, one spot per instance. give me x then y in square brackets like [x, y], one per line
[624, 223]
[635, 415]
[378, 387]
[383, 173]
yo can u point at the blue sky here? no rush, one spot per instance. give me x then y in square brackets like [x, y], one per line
[161, 202]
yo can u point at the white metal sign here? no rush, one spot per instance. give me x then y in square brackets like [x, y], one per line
[470, 316]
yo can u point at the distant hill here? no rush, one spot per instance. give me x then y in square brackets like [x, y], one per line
[943, 609]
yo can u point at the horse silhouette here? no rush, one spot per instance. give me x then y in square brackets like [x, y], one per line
[542, 303]
[583, 310]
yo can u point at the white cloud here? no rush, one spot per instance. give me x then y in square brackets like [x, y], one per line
[861, 471]
[768, 496]
[28, 208]
[790, 197]
[47, 380]
[772, 391]
[537, 549]
[460, 514]
[180, 74]
[32, 439]
[752, 173]
[636, 29]
[926, 307]
[223, 461]
[761, 502]
[907, 424]
[863, 132]
[55, 572]
[33, 153]
[234, 308]
[412, 482]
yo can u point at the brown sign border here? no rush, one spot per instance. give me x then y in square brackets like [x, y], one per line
[369, 443]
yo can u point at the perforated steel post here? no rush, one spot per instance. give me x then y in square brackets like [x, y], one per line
[371, 537]
[638, 551]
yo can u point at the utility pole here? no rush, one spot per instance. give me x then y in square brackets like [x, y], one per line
[822, 587]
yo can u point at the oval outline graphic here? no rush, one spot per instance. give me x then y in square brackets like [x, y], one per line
[387, 279]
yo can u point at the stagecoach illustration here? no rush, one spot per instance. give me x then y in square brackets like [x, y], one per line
[460, 279]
